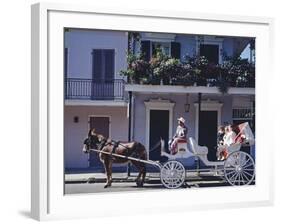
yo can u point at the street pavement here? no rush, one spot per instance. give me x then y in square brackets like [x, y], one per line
[89, 183]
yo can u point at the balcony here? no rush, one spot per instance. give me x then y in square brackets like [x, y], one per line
[193, 74]
[182, 89]
[92, 89]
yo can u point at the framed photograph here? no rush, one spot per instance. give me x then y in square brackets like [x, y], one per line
[162, 111]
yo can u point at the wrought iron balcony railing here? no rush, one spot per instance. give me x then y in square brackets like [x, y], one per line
[94, 89]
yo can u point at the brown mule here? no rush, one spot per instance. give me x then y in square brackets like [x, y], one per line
[132, 149]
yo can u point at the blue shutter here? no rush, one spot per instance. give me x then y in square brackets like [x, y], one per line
[211, 52]
[65, 62]
[175, 50]
[145, 49]
[109, 64]
[97, 64]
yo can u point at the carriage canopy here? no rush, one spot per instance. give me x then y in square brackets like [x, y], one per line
[245, 129]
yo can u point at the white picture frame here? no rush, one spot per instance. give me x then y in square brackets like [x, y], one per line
[48, 200]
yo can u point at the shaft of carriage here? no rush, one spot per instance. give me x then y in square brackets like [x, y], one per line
[154, 163]
[172, 173]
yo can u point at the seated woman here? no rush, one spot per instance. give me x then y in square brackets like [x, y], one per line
[228, 139]
[230, 136]
[220, 140]
[180, 134]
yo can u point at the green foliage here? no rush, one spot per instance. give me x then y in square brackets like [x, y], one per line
[241, 72]
[234, 72]
[137, 69]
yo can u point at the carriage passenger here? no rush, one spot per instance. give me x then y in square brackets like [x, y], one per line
[220, 136]
[228, 139]
[220, 141]
[180, 134]
[230, 136]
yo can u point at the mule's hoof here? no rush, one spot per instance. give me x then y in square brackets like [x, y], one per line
[139, 183]
[107, 185]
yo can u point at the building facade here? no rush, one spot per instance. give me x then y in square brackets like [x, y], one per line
[96, 95]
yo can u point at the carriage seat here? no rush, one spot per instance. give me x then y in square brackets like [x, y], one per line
[182, 141]
[182, 146]
[197, 149]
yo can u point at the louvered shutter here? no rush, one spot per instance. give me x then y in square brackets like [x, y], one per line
[211, 52]
[175, 50]
[109, 64]
[145, 49]
[97, 64]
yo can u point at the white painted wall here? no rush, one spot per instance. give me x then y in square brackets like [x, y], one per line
[75, 133]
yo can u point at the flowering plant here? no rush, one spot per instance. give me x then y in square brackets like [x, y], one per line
[233, 72]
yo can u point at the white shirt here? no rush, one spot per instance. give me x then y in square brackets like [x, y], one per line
[229, 138]
[181, 132]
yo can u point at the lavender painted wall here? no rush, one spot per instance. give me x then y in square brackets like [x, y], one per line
[179, 100]
[188, 45]
[228, 46]
[75, 133]
[80, 44]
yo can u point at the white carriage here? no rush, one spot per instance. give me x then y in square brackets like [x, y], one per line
[237, 169]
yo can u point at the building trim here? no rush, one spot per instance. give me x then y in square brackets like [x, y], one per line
[95, 103]
[207, 105]
[101, 115]
[158, 104]
[109, 129]
[158, 37]
[186, 89]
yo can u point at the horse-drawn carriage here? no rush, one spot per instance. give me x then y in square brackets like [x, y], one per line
[237, 169]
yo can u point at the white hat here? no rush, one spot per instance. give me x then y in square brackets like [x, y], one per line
[181, 119]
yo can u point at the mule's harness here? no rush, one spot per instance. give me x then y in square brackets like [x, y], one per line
[113, 152]
[105, 143]
[114, 143]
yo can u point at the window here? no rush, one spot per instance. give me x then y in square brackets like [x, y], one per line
[149, 49]
[245, 113]
[211, 52]
[102, 85]
[241, 115]
[165, 47]
[103, 64]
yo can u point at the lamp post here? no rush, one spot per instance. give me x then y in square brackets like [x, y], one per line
[187, 105]
[129, 127]
[199, 113]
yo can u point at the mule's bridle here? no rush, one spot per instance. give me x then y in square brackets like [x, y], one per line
[102, 144]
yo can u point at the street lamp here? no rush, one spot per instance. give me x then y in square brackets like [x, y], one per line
[187, 105]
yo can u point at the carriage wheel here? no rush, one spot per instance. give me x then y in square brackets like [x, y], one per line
[239, 168]
[172, 174]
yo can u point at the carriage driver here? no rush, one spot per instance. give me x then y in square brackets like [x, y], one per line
[180, 134]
